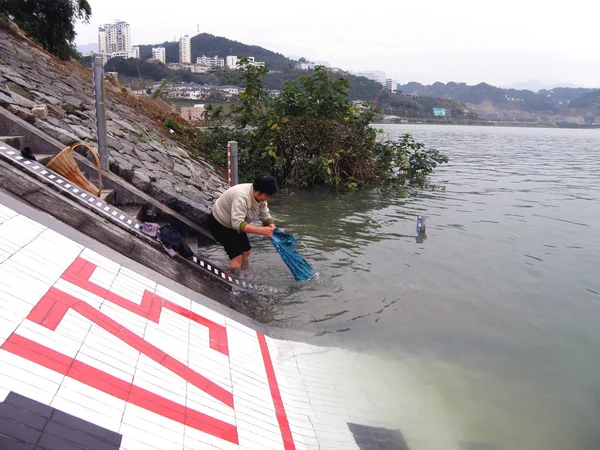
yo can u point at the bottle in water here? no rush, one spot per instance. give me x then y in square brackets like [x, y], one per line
[421, 224]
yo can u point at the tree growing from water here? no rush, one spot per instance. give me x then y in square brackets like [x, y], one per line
[311, 134]
[51, 23]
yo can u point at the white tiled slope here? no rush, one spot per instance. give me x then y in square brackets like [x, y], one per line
[317, 385]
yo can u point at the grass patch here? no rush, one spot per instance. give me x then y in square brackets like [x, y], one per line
[18, 90]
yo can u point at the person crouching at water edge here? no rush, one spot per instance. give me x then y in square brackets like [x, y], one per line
[232, 213]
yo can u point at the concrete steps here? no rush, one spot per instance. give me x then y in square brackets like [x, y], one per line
[17, 142]
[135, 211]
[43, 158]
[136, 204]
[107, 195]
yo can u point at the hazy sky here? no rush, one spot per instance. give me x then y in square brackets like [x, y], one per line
[500, 43]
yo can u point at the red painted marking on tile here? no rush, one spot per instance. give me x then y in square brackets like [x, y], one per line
[118, 388]
[217, 333]
[65, 301]
[284, 425]
[80, 271]
[29, 350]
[48, 311]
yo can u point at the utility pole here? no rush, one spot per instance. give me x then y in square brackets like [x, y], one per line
[100, 110]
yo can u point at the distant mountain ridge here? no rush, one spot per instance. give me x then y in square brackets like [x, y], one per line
[545, 100]
[536, 86]
[84, 49]
[482, 98]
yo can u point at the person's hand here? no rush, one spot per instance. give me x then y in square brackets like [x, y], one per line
[267, 231]
[271, 225]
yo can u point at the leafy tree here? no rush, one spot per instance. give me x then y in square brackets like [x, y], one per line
[249, 111]
[314, 96]
[311, 134]
[49, 22]
[132, 67]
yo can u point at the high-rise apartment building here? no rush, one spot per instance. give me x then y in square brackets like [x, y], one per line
[102, 43]
[114, 37]
[159, 53]
[391, 85]
[185, 50]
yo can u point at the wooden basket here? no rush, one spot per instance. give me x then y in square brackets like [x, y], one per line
[65, 165]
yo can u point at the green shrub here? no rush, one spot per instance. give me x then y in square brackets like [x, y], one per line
[311, 134]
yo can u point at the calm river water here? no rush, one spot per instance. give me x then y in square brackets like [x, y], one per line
[496, 310]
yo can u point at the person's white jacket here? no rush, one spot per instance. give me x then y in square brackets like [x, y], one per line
[237, 207]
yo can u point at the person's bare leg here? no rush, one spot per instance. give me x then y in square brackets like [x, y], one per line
[236, 262]
[245, 257]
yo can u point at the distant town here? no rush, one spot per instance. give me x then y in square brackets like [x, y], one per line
[114, 40]
[452, 102]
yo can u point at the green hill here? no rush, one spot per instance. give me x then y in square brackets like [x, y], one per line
[548, 101]
[210, 45]
[590, 99]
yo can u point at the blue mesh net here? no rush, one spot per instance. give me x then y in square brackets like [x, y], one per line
[284, 243]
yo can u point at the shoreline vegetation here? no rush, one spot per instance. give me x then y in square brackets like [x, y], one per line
[310, 134]
[228, 105]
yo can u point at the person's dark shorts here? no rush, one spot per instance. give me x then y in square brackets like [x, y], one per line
[235, 243]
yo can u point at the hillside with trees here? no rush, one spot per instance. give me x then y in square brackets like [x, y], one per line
[210, 45]
[542, 101]
[589, 99]
[461, 101]
[281, 69]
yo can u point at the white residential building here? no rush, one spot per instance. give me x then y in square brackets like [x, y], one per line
[159, 53]
[391, 85]
[199, 68]
[180, 66]
[209, 61]
[373, 76]
[124, 54]
[114, 37]
[231, 62]
[115, 40]
[185, 50]
[102, 42]
[231, 90]
[305, 66]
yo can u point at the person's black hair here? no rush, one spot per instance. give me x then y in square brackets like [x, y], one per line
[265, 184]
